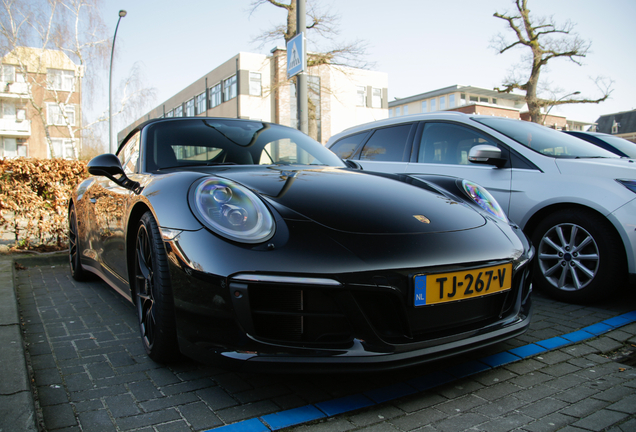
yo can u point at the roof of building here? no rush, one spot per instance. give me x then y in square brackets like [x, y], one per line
[626, 122]
[37, 60]
[455, 88]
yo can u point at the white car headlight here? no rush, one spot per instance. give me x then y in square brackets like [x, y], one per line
[231, 210]
[484, 199]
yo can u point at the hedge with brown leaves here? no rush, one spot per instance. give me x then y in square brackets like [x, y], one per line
[34, 196]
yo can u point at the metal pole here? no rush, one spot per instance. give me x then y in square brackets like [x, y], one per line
[301, 78]
[122, 13]
[545, 116]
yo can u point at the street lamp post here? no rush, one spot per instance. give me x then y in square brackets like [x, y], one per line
[122, 13]
[558, 100]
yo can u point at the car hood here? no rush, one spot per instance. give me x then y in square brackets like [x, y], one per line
[356, 202]
[602, 167]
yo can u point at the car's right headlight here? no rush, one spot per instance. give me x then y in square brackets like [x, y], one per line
[231, 210]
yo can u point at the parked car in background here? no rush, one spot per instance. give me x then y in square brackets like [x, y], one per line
[616, 145]
[576, 201]
[250, 242]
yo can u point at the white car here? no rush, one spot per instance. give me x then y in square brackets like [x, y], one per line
[576, 201]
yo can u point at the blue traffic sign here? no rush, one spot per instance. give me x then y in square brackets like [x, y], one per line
[296, 55]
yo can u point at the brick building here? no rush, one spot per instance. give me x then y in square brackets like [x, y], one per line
[40, 95]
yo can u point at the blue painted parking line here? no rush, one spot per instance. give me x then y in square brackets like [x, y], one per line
[357, 401]
[292, 417]
[578, 336]
[528, 350]
[344, 404]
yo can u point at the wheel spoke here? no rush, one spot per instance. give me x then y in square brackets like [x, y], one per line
[573, 245]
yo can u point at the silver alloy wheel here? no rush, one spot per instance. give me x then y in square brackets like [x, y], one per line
[568, 257]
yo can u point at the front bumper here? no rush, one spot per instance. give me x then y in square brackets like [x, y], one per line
[359, 320]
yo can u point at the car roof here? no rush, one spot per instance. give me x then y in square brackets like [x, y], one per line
[440, 115]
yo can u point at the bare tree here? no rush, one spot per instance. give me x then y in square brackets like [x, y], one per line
[545, 40]
[322, 33]
[321, 24]
[34, 33]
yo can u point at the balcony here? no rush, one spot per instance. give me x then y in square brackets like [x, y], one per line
[13, 89]
[13, 128]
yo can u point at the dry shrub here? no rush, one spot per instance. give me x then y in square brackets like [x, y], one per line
[34, 196]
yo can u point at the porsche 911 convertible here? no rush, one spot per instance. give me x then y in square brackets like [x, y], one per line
[251, 243]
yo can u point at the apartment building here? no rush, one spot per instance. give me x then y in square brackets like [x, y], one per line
[476, 100]
[40, 95]
[255, 86]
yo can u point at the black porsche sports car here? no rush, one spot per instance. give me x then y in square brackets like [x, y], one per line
[244, 240]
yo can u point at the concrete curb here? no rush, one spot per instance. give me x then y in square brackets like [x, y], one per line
[17, 407]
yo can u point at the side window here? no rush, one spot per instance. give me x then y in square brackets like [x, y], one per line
[445, 143]
[129, 155]
[387, 144]
[347, 145]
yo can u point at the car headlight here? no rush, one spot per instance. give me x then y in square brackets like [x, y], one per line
[484, 199]
[231, 210]
[629, 184]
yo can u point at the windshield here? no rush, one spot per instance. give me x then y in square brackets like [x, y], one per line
[627, 147]
[187, 142]
[544, 140]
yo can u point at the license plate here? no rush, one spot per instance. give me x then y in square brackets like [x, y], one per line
[447, 287]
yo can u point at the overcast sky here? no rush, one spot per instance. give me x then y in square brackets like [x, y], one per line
[423, 45]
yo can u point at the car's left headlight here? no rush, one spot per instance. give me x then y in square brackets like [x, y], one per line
[231, 210]
[484, 199]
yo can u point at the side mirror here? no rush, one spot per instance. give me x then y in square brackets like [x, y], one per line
[109, 166]
[486, 154]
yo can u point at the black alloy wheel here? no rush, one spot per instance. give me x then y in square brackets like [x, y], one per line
[579, 256]
[77, 271]
[153, 293]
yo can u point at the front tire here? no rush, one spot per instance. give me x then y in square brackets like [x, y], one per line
[579, 256]
[77, 270]
[153, 293]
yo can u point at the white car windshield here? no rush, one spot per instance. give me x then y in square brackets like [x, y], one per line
[546, 141]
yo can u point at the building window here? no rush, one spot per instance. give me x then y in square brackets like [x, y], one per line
[190, 108]
[62, 148]
[615, 126]
[199, 101]
[398, 111]
[390, 112]
[451, 101]
[483, 99]
[13, 147]
[215, 95]
[361, 96]
[178, 111]
[255, 84]
[170, 114]
[442, 103]
[229, 88]
[59, 79]
[424, 106]
[406, 109]
[462, 99]
[55, 116]
[474, 99]
[376, 98]
[494, 101]
[8, 73]
[433, 105]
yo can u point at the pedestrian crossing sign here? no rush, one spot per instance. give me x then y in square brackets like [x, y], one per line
[296, 55]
